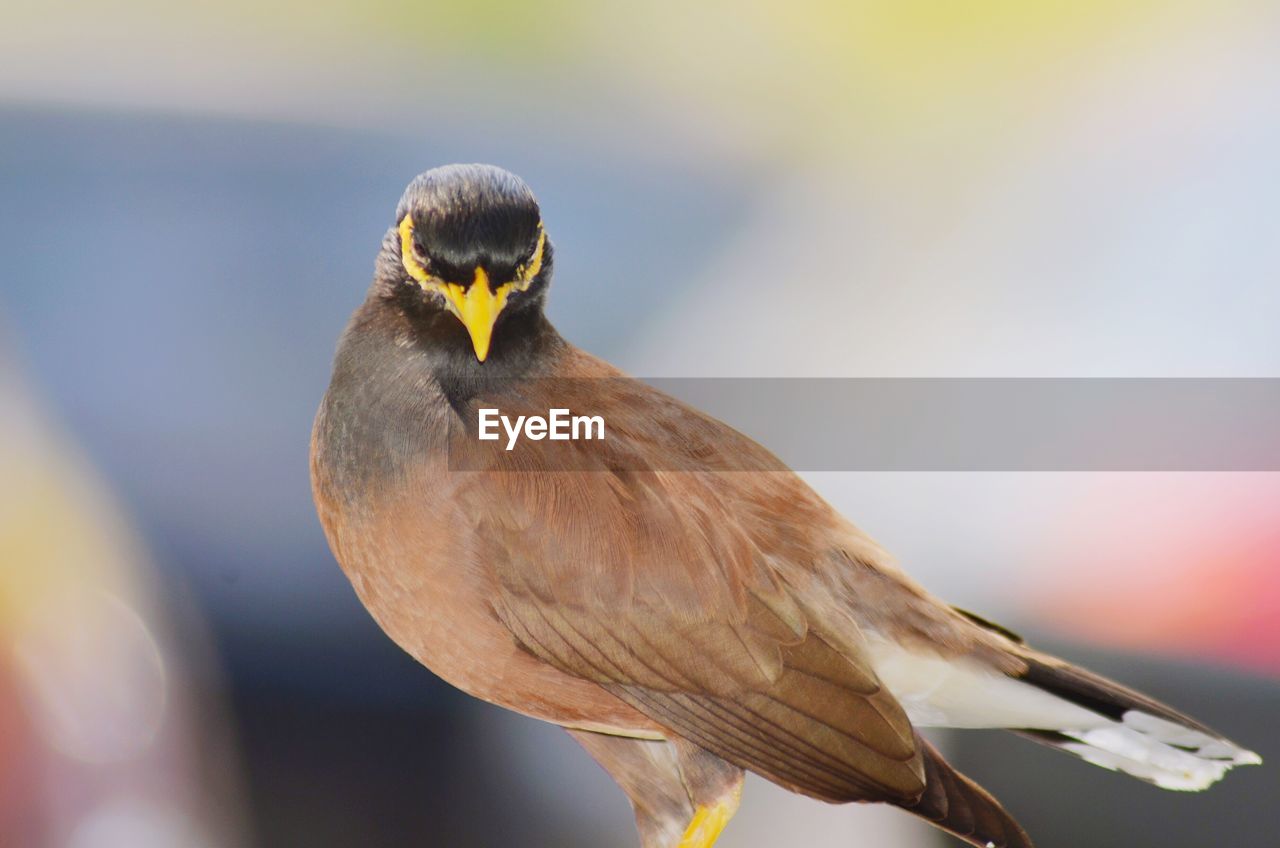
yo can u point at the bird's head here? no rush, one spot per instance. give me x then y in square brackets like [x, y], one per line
[471, 239]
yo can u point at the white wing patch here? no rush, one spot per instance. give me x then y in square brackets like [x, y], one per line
[940, 692]
[1169, 755]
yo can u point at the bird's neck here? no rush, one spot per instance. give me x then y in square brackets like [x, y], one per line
[524, 346]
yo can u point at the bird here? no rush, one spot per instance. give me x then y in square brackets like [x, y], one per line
[674, 596]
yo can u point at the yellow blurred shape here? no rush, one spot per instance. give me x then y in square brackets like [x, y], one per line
[71, 589]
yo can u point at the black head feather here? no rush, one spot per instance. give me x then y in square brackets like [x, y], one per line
[470, 216]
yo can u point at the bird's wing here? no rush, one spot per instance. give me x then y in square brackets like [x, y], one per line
[679, 591]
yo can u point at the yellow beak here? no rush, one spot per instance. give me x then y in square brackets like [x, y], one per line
[477, 308]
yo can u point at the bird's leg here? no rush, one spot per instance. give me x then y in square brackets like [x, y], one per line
[648, 771]
[708, 821]
[682, 795]
[714, 786]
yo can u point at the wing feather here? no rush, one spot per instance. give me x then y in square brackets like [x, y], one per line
[682, 590]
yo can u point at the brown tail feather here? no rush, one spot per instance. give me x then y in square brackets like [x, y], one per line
[959, 806]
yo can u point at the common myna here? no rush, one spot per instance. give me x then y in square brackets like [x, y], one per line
[671, 594]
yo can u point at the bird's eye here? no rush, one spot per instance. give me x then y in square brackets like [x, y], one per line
[419, 251]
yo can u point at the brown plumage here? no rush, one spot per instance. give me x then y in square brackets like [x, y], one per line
[672, 594]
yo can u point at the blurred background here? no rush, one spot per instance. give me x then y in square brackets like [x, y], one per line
[191, 196]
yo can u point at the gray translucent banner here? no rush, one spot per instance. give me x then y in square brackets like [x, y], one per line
[899, 424]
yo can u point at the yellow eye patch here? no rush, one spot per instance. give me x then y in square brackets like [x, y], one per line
[407, 254]
[526, 273]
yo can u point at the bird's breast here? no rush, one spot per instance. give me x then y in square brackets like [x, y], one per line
[416, 565]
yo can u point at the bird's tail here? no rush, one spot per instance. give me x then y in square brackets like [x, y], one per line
[959, 806]
[1061, 705]
[1126, 731]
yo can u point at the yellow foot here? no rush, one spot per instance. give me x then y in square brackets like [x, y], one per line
[704, 829]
